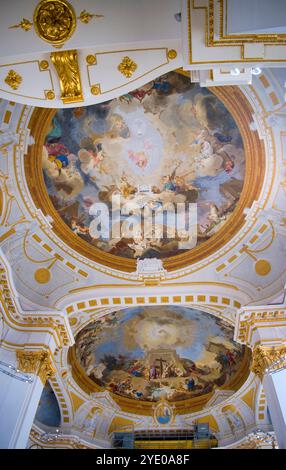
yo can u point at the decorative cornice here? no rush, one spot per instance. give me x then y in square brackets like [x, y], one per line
[251, 318]
[36, 362]
[263, 357]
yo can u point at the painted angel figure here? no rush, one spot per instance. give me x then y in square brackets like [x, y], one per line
[139, 246]
[139, 158]
[91, 160]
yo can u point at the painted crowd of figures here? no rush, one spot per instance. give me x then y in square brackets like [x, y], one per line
[171, 137]
[147, 368]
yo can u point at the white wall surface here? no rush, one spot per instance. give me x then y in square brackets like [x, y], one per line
[18, 405]
[256, 16]
[124, 21]
[275, 390]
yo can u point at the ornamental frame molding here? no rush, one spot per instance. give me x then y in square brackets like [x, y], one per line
[252, 318]
[213, 21]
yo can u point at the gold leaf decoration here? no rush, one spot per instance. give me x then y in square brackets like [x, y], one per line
[44, 65]
[13, 79]
[91, 59]
[35, 362]
[172, 54]
[263, 357]
[66, 65]
[25, 24]
[50, 95]
[95, 89]
[127, 67]
[46, 371]
[262, 267]
[54, 21]
[42, 275]
[86, 17]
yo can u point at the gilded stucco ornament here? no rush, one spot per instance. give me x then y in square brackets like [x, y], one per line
[91, 59]
[127, 67]
[95, 89]
[44, 65]
[85, 17]
[50, 95]
[25, 24]
[263, 358]
[54, 21]
[262, 267]
[66, 65]
[172, 54]
[13, 79]
[42, 276]
[36, 362]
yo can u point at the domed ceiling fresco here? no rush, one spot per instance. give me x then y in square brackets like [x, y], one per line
[153, 353]
[111, 167]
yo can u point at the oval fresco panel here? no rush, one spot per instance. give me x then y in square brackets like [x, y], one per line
[119, 172]
[154, 353]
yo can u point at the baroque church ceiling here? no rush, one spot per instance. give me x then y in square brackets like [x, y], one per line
[138, 317]
[240, 220]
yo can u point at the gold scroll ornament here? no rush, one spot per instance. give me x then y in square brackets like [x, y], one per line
[66, 65]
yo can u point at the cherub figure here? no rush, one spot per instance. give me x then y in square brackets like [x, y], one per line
[139, 158]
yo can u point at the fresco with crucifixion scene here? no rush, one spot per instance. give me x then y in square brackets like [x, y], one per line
[167, 143]
[150, 353]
